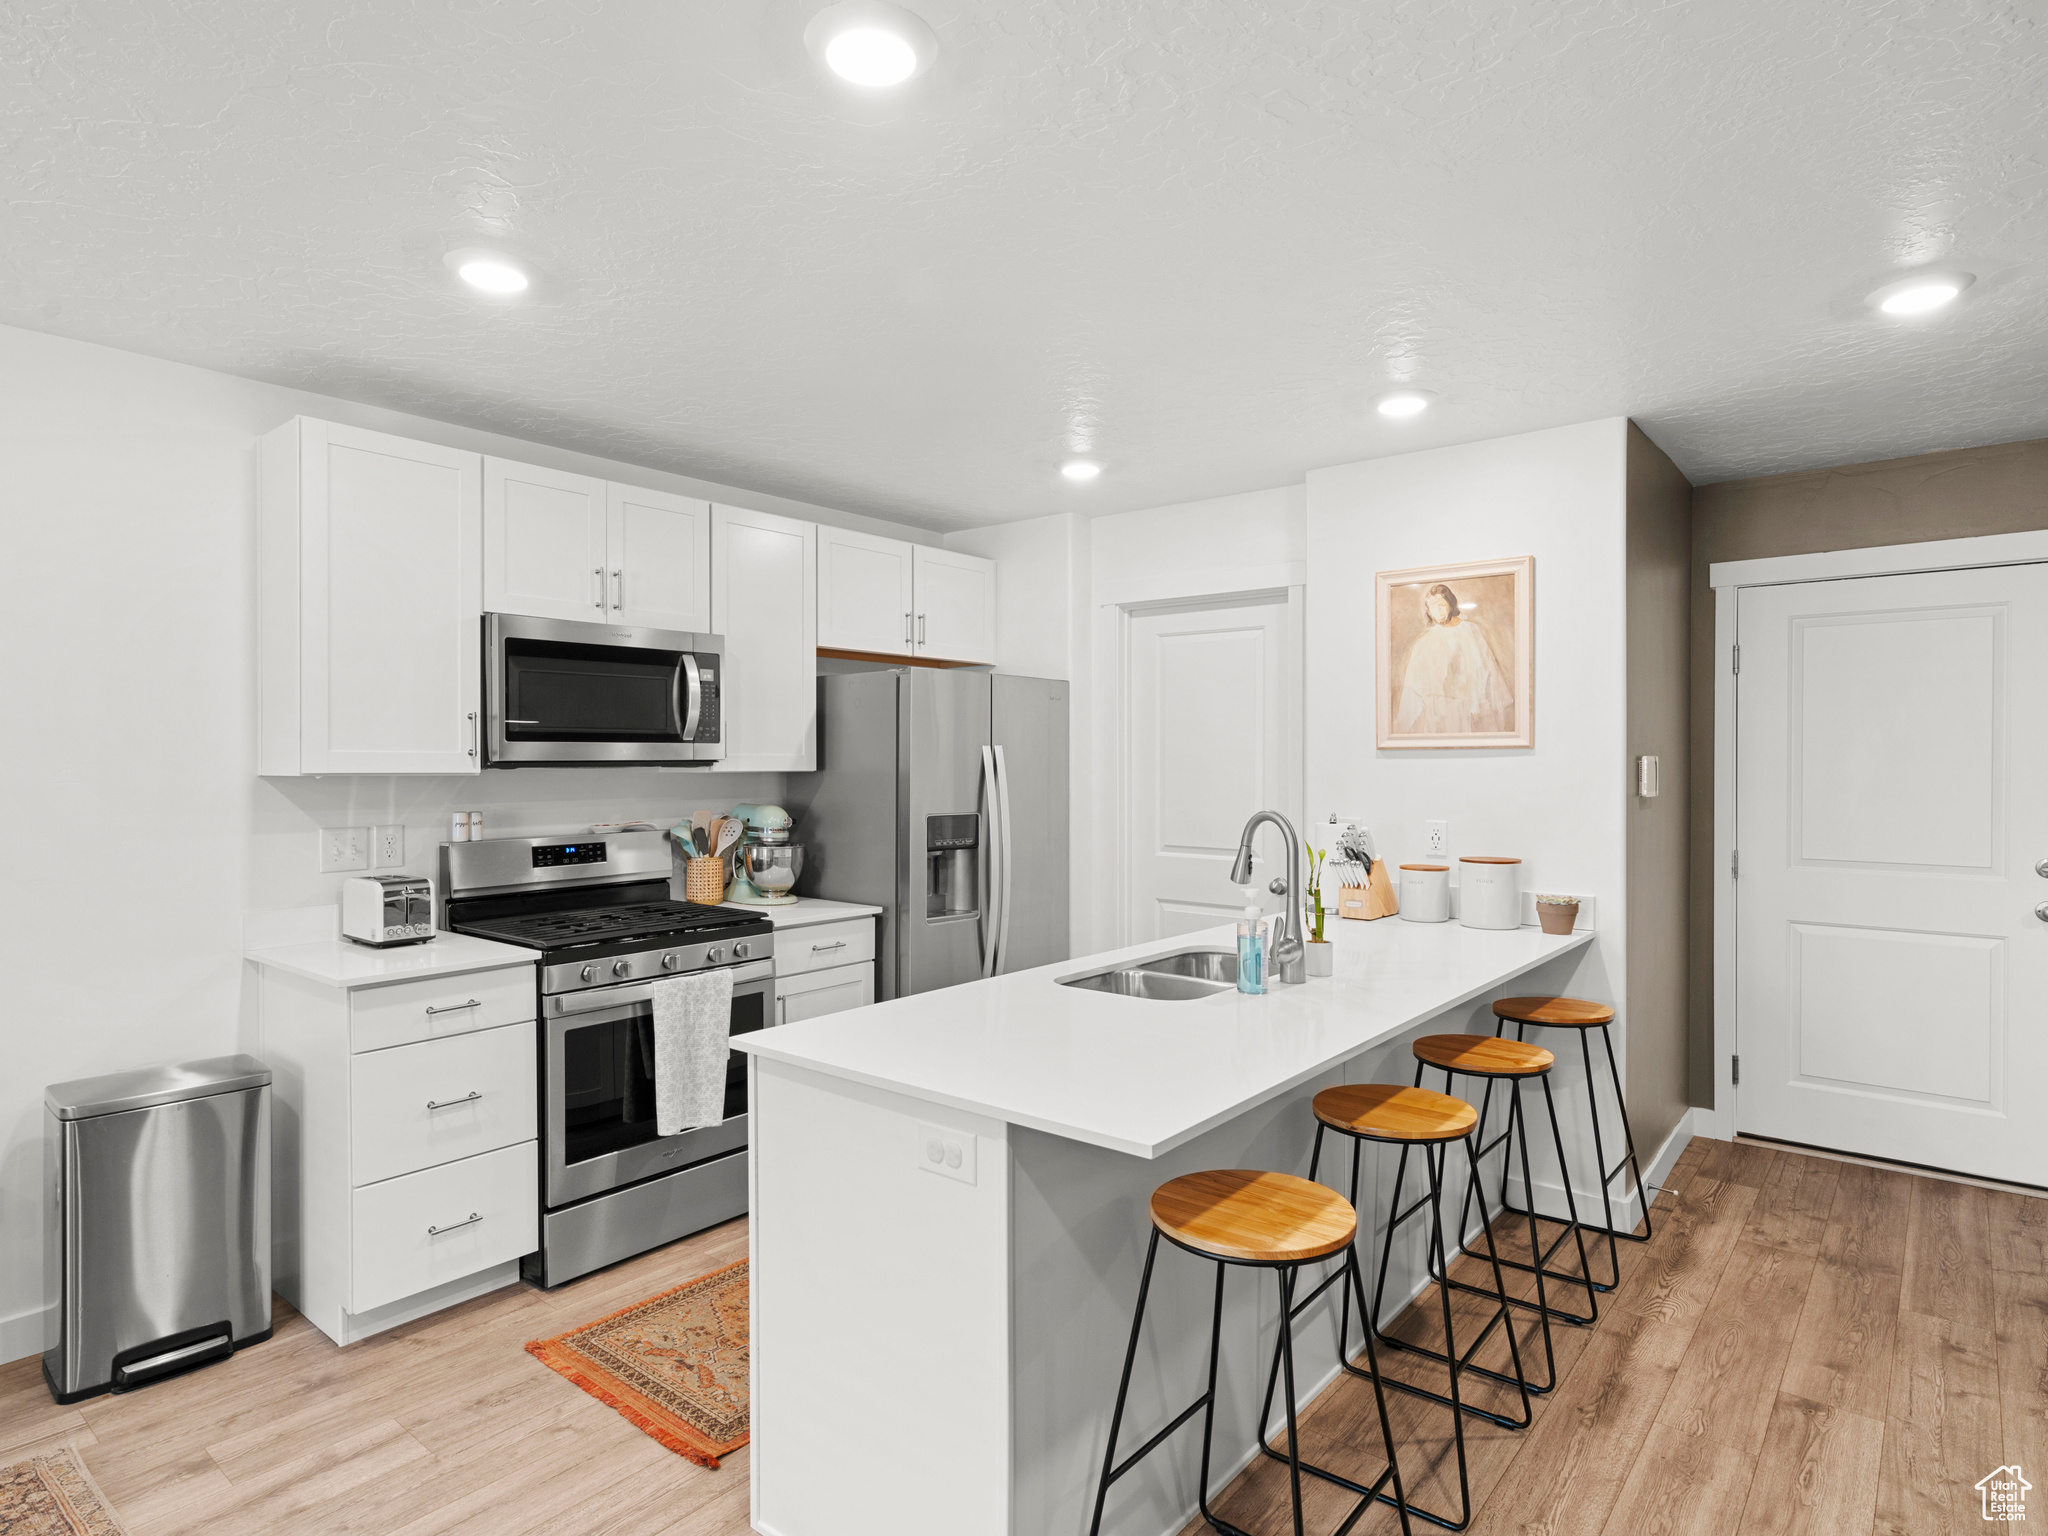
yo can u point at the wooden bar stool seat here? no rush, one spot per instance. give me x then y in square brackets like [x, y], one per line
[1585, 1016]
[1483, 1055]
[1246, 1218]
[1393, 1112]
[1253, 1217]
[1556, 1012]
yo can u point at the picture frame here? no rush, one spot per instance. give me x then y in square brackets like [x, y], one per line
[1458, 679]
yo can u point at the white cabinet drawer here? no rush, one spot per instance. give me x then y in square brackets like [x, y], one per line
[813, 994]
[823, 945]
[415, 1106]
[406, 1011]
[481, 1211]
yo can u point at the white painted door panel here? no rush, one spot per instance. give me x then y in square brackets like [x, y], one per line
[764, 601]
[544, 542]
[423, 1229]
[866, 590]
[391, 645]
[956, 605]
[1890, 970]
[1207, 692]
[658, 549]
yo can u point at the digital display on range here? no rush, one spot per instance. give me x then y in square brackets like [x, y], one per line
[554, 854]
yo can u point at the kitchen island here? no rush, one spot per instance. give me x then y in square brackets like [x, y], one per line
[949, 1216]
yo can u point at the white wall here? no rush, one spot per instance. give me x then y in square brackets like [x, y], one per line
[141, 833]
[1560, 807]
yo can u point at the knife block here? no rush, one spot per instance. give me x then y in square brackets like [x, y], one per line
[1374, 899]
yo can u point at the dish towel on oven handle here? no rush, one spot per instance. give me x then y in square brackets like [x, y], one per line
[692, 1043]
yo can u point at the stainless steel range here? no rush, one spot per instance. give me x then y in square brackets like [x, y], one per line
[600, 913]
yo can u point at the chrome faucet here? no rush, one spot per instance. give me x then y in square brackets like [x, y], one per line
[1289, 961]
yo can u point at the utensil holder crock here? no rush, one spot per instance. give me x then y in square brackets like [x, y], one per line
[704, 881]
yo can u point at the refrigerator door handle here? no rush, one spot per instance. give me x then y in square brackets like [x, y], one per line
[997, 874]
[1004, 865]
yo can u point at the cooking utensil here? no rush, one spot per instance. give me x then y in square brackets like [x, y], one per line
[728, 834]
[702, 838]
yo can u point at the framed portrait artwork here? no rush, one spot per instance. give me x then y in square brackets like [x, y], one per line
[1456, 655]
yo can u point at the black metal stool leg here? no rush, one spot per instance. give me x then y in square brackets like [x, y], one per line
[1628, 1136]
[1110, 1471]
[1571, 1225]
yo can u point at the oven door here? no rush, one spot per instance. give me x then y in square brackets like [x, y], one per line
[598, 1094]
[562, 692]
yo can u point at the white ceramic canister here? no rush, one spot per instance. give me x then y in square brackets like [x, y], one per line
[1489, 891]
[1426, 893]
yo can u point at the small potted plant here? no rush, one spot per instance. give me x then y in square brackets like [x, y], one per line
[1322, 955]
[1557, 914]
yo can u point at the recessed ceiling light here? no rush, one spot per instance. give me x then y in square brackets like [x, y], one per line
[1404, 403]
[1921, 293]
[1080, 469]
[489, 272]
[872, 43]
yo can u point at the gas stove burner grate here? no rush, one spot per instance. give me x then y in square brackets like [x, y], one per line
[589, 924]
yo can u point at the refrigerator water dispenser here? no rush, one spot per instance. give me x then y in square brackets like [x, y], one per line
[952, 851]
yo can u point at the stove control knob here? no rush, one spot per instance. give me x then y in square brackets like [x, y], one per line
[713, 955]
[622, 967]
[588, 973]
[670, 961]
[741, 950]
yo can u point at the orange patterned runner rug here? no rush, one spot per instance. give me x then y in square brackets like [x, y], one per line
[675, 1364]
[53, 1495]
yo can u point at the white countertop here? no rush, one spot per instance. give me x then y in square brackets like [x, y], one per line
[339, 963]
[1143, 1076]
[814, 909]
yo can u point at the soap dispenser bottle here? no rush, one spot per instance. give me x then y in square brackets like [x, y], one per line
[1251, 953]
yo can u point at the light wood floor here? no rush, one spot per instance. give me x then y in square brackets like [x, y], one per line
[1807, 1346]
[443, 1426]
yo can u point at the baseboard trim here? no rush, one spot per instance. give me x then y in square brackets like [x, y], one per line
[27, 1334]
[1550, 1201]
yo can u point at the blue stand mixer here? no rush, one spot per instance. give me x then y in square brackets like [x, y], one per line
[766, 863]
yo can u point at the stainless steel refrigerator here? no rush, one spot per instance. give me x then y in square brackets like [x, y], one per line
[941, 797]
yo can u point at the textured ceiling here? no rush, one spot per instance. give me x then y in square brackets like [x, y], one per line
[1194, 239]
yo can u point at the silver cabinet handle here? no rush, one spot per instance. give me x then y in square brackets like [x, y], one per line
[475, 738]
[819, 949]
[920, 629]
[598, 572]
[909, 633]
[455, 1226]
[468, 1098]
[454, 1007]
[618, 589]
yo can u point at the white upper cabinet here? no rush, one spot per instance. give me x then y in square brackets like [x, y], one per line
[956, 606]
[658, 554]
[866, 589]
[370, 552]
[764, 601]
[544, 543]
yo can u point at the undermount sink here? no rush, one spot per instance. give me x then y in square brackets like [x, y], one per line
[1179, 977]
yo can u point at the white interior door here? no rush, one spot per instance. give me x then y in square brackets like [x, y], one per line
[1210, 709]
[660, 550]
[544, 549]
[1891, 969]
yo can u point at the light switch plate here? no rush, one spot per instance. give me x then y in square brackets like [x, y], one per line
[387, 847]
[946, 1152]
[343, 849]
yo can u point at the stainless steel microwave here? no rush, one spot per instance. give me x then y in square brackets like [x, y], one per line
[557, 691]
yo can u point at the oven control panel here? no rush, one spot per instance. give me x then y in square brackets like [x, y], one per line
[553, 855]
[612, 968]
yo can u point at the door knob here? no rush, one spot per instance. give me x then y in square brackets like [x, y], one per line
[2041, 869]
[2042, 911]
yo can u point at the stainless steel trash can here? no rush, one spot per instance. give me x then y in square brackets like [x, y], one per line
[157, 1244]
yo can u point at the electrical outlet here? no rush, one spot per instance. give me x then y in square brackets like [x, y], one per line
[950, 1153]
[387, 847]
[1439, 836]
[343, 849]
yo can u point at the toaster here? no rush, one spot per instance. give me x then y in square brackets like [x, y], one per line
[381, 910]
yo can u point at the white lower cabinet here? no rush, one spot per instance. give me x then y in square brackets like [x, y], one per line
[405, 1173]
[440, 1224]
[813, 994]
